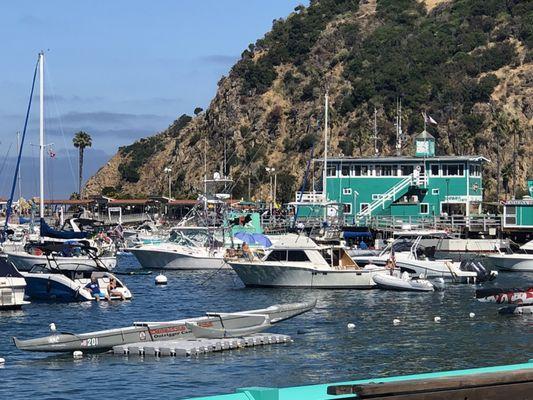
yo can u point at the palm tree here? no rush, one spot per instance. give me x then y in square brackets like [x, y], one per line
[81, 140]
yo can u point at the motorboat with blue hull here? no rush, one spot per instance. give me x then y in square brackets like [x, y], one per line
[12, 286]
[53, 281]
[212, 324]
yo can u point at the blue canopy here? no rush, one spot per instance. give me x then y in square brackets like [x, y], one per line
[254, 238]
[351, 235]
[47, 231]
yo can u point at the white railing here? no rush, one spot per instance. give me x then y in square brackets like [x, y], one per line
[391, 194]
[310, 197]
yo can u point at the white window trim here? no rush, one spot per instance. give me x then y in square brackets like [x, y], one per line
[424, 204]
[347, 191]
[350, 208]
[435, 192]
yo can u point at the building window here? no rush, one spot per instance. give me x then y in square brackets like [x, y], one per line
[453, 170]
[363, 207]
[475, 170]
[377, 168]
[347, 209]
[386, 170]
[434, 168]
[365, 171]
[394, 170]
[345, 170]
[357, 170]
[424, 208]
[435, 192]
[406, 170]
[347, 191]
[332, 170]
[510, 215]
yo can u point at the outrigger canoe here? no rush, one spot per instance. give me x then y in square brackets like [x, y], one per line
[213, 323]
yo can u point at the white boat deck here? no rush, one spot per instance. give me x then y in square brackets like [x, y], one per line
[188, 348]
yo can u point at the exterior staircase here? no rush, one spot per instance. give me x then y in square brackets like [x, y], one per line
[395, 192]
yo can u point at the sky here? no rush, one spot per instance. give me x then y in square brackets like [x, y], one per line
[119, 70]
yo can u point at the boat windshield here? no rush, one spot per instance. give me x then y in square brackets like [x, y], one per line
[194, 237]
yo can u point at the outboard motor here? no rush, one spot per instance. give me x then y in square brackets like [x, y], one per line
[483, 274]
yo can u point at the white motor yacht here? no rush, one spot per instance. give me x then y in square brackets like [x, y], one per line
[520, 260]
[12, 286]
[302, 263]
[188, 248]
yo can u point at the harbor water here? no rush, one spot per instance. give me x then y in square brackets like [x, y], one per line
[324, 350]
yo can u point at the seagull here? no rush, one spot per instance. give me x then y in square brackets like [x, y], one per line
[53, 327]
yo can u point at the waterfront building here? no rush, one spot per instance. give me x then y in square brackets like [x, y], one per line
[423, 185]
[518, 214]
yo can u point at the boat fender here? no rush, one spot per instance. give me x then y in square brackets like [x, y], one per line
[350, 326]
[436, 319]
[77, 354]
[161, 279]
[396, 321]
[472, 315]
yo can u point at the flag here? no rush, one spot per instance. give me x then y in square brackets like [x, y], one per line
[428, 119]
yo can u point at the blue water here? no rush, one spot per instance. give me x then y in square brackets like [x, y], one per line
[323, 349]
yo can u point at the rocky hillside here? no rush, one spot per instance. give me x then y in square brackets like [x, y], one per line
[467, 62]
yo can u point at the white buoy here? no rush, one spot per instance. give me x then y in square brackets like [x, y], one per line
[396, 321]
[53, 327]
[350, 326]
[436, 319]
[471, 315]
[161, 279]
[77, 354]
[2, 361]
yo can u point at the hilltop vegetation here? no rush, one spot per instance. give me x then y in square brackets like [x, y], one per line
[467, 62]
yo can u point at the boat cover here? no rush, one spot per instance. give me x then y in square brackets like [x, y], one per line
[48, 231]
[8, 270]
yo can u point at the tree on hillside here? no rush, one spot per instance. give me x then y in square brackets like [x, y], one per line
[81, 140]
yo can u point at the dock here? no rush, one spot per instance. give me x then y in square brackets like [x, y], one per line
[189, 348]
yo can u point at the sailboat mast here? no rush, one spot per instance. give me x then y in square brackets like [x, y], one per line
[18, 171]
[324, 178]
[41, 134]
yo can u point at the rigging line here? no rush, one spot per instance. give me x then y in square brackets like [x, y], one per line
[17, 167]
[59, 119]
[5, 161]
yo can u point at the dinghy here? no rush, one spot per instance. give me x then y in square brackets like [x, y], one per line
[255, 323]
[404, 283]
[159, 331]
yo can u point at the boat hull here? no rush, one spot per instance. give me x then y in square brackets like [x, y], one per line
[512, 262]
[156, 331]
[12, 290]
[173, 260]
[267, 275]
[388, 282]
[25, 262]
[54, 287]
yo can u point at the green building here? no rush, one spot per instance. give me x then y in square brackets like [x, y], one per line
[423, 185]
[518, 214]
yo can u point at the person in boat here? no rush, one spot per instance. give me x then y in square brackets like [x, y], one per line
[390, 266]
[112, 289]
[94, 288]
[246, 252]
[363, 245]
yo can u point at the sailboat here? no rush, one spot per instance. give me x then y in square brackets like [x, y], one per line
[31, 256]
